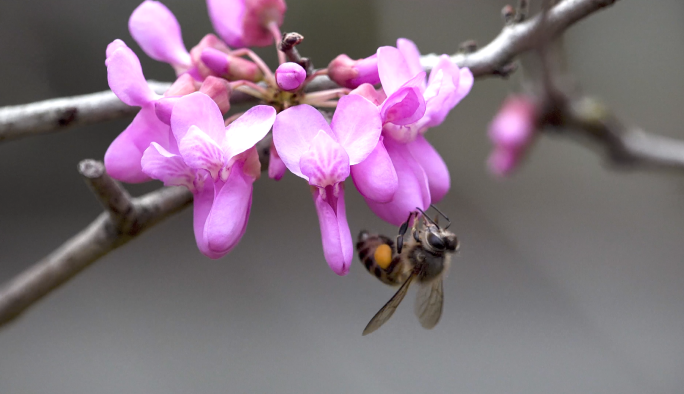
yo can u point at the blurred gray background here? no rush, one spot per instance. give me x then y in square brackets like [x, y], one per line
[570, 278]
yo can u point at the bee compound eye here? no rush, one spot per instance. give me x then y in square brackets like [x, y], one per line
[435, 241]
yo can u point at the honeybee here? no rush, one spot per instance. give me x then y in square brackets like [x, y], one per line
[424, 256]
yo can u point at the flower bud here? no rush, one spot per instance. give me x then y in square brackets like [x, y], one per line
[369, 92]
[246, 23]
[219, 91]
[232, 68]
[352, 73]
[289, 76]
[511, 132]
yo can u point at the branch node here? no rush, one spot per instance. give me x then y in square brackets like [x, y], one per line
[288, 44]
[508, 14]
[468, 47]
[111, 194]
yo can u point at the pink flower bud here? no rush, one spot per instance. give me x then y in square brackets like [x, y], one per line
[511, 132]
[352, 73]
[289, 76]
[230, 67]
[183, 85]
[219, 91]
[246, 23]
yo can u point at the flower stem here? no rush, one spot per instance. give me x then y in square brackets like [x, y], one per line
[268, 74]
[277, 36]
[324, 95]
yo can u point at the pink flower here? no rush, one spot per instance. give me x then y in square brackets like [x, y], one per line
[412, 105]
[218, 164]
[127, 81]
[323, 154]
[246, 23]
[511, 132]
[156, 30]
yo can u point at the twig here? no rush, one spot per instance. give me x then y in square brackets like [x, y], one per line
[55, 114]
[517, 38]
[124, 220]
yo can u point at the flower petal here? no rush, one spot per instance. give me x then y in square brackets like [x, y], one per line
[293, 131]
[125, 76]
[412, 55]
[434, 166]
[335, 235]
[202, 203]
[406, 105]
[156, 30]
[248, 129]
[276, 167]
[122, 159]
[158, 163]
[375, 177]
[393, 69]
[227, 221]
[226, 17]
[200, 152]
[197, 109]
[413, 190]
[325, 163]
[357, 126]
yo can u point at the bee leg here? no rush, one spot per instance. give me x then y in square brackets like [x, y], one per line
[402, 232]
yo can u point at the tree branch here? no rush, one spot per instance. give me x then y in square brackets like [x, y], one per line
[494, 59]
[517, 38]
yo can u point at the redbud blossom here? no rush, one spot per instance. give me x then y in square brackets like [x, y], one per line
[289, 76]
[217, 164]
[246, 23]
[351, 73]
[322, 154]
[511, 132]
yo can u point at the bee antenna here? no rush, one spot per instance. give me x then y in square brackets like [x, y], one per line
[443, 215]
[427, 217]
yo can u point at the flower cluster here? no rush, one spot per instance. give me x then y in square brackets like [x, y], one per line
[385, 105]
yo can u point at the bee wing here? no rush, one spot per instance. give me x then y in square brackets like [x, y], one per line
[388, 310]
[429, 301]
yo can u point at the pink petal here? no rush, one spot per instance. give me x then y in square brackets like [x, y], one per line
[114, 45]
[248, 129]
[335, 235]
[413, 190]
[357, 125]
[158, 163]
[276, 167]
[258, 15]
[406, 105]
[368, 92]
[226, 17]
[412, 55]
[393, 69]
[227, 221]
[163, 108]
[125, 76]
[197, 109]
[123, 156]
[202, 203]
[199, 151]
[325, 163]
[434, 166]
[156, 30]
[375, 177]
[219, 91]
[182, 86]
[293, 131]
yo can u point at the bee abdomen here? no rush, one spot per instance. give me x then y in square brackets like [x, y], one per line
[374, 247]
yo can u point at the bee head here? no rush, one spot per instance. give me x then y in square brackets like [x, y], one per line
[440, 240]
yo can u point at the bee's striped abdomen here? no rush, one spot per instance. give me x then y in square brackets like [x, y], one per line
[367, 246]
